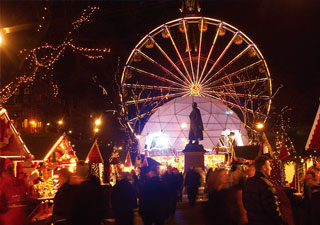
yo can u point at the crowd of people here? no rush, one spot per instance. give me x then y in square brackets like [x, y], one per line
[237, 195]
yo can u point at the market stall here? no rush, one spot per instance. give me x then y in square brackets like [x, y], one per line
[96, 161]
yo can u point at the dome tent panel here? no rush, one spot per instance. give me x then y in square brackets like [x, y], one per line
[215, 120]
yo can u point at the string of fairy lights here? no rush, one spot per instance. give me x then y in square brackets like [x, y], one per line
[40, 60]
[43, 19]
[282, 139]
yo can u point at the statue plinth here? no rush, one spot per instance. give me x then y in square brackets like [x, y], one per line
[193, 156]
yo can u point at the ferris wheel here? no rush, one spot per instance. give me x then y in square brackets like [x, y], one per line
[196, 56]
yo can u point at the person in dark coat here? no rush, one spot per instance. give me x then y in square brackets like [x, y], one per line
[87, 205]
[218, 205]
[123, 200]
[153, 206]
[62, 200]
[172, 184]
[196, 125]
[259, 196]
[192, 183]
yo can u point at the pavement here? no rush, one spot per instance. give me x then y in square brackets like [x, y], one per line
[185, 214]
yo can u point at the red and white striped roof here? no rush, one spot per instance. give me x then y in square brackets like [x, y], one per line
[313, 142]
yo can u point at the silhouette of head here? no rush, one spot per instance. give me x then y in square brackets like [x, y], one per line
[194, 105]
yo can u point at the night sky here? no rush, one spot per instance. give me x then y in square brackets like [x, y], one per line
[286, 32]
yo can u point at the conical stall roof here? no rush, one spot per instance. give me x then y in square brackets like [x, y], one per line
[171, 122]
[94, 155]
[61, 152]
[313, 142]
[11, 144]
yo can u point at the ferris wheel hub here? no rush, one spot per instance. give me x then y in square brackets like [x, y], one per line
[195, 89]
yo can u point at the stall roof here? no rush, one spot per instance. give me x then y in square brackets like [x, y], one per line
[313, 142]
[11, 144]
[40, 144]
[94, 155]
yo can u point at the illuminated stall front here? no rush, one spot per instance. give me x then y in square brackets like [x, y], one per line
[166, 132]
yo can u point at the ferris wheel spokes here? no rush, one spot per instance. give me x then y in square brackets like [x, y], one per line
[228, 76]
[220, 56]
[235, 105]
[199, 54]
[210, 51]
[155, 76]
[178, 53]
[153, 87]
[185, 81]
[237, 84]
[251, 96]
[169, 59]
[228, 64]
[143, 100]
[188, 48]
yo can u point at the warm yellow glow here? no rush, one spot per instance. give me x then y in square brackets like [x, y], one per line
[70, 131]
[259, 125]
[184, 125]
[0, 38]
[72, 169]
[60, 122]
[96, 130]
[97, 122]
[195, 89]
[48, 124]
[32, 122]
[120, 148]
[162, 167]
[138, 136]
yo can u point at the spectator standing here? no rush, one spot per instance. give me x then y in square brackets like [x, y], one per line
[154, 200]
[259, 196]
[123, 200]
[62, 200]
[219, 197]
[171, 181]
[192, 183]
[87, 205]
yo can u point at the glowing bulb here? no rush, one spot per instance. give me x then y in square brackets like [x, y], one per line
[96, 130]
[97, 122]
[60, 122]
[184, 125]
[259, 125]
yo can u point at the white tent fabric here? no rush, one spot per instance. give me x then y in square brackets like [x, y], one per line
[168, 127]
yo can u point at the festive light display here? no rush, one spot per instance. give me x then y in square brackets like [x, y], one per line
[284, 149]
[195, 56]
[40, 61]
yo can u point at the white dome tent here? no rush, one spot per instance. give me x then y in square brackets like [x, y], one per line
[168, 127]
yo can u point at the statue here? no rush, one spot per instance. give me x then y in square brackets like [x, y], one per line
[196, 125]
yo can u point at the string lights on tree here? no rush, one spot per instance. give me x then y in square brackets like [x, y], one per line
[39, 62]
[285, 149]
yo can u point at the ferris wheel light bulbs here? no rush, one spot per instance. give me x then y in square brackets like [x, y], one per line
[165, 33]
